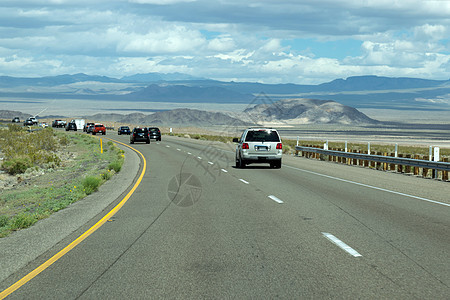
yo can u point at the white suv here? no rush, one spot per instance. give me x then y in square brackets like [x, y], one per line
[259, 145]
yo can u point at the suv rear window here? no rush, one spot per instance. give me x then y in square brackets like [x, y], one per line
[262, 136]
[139, 130]
[98, 125]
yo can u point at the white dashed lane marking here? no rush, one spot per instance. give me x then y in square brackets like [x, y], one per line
[276, 199]
[341, 244]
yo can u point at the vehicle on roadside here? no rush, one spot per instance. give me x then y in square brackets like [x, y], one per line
[33, 120]
[90, 128]
[259, 145]
[16, 120]
[71, 126]
[139, 134]
[80, 123]
[99, 128]
[123, 130]
[154, 133]
[28, 122]
[43, 125]
[59, 123]
[86, 126]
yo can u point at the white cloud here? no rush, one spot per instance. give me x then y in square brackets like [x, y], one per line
[259, 40]
[221, 44]
[168, 40]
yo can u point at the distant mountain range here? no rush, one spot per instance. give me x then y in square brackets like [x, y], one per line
[289, 111]
[358, 92]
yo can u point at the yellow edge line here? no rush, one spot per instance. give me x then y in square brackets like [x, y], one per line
[72, 245]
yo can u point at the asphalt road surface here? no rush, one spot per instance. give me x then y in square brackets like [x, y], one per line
[198, 228]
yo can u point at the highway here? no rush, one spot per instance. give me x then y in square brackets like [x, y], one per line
[198, 228]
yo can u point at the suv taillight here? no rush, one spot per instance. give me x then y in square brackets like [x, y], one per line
[279, 146]
[245, 146]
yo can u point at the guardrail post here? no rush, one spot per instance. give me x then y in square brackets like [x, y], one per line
[425, 170]
[436, 157]
[366, 162]
[445, 173]
[378, 164]
[400, 167]
[385, 166]
[392, 166]
[346, 148]
[416, 169]
[408, 168]
[396, 150]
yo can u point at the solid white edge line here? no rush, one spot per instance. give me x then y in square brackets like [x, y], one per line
[242, 180]
[276, 199]
[341, 244]
[369, 186]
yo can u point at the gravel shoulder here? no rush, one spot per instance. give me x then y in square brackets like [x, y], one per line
[22, 247]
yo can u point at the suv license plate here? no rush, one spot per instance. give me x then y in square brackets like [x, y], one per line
[262, 148]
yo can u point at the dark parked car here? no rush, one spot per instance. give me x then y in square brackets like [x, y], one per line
[123, 130]
[28, 122]
[59, 123]
[71, 126]
[86, 126]
[90, 128]
[139, 135]
[154, 133]
[16, 120]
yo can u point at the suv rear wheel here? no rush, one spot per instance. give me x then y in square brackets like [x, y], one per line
[240, 163]
[276, 165]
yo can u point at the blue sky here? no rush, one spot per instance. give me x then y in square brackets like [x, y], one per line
[269, 41]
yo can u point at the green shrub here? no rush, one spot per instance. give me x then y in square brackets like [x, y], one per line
[115, 165]
[15, 128]
[91, 184]
[17, 165]
[22, 220]
[106, 175]
[64, 141]
[4, 221]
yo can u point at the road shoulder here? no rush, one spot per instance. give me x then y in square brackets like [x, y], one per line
[22, 247]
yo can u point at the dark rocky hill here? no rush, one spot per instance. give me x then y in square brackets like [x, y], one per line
[176, 117]
[308, 111]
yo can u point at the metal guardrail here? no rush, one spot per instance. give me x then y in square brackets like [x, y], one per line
[444, 166]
